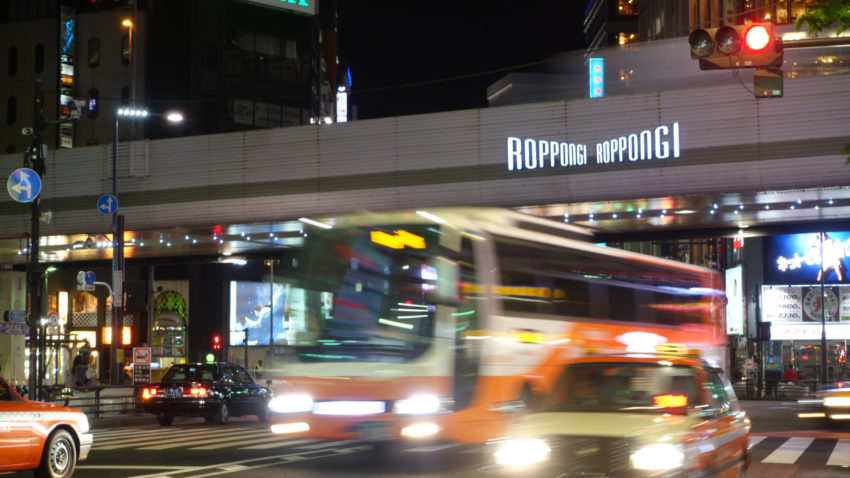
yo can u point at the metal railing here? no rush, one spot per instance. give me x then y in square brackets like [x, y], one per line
[99, 400]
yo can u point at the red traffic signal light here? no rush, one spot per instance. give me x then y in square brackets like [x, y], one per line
[216, 342]
[736, 46]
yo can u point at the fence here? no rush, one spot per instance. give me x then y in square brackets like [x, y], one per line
[98, 401]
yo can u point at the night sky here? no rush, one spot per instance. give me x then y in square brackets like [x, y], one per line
[411, 57]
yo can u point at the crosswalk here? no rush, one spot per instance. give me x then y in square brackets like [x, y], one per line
[766, 449]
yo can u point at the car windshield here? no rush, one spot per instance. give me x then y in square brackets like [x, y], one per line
[360, 294]
[5, 392]
[189, 373]
[625, 387]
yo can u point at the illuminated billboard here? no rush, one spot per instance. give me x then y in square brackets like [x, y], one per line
[799, 259]
[307, 7]
[254, 308]
[735, 301]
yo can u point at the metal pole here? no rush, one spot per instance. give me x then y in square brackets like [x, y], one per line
[117, 256]
[822, 314]
[34, 268]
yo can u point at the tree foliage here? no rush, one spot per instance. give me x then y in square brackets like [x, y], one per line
[824, 15]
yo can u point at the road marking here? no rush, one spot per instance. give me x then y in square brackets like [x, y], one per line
[840, 455]
[174, 438]
[178, 442]
[429, 449]
[790, 451]
[755, 440]
[276, 441]
[278, 444]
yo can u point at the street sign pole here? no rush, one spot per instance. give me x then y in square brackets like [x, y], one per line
[34, 268]
[117, 265]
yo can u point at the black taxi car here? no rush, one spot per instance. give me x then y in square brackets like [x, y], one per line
[215, 391]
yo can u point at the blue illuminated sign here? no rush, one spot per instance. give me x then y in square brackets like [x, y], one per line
[597, 77]
[797, 258]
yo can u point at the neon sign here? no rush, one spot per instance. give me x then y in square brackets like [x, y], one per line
[662, 142]
[398, 240]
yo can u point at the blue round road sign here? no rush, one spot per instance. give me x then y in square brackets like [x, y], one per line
[24, 185]
[107, 204]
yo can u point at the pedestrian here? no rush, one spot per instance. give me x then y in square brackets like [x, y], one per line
[80, 368]
[790, 375]
[258, 370]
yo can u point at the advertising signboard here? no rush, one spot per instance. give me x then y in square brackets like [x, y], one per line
[798, 259]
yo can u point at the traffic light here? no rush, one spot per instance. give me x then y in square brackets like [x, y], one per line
[216, 342]
[736, 46]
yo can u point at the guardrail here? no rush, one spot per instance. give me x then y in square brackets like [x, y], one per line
[99, 400]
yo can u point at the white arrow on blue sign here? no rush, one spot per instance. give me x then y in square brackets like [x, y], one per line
[24, 185]
[90, 278]
[107, 204]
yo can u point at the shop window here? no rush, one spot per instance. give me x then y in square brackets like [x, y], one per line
[626, 7]
[12, 61]
[94, 52]
[125, 50]
[93, 104]
[11, 110]
[39, 58]
[623, 38]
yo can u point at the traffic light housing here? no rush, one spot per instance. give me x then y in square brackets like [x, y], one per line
[216, 342]
[753, 45]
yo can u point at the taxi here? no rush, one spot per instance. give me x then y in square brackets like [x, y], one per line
[632, 415]
[831, 404]
[44, 437]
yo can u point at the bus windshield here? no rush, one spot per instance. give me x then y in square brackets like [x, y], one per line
[625, 387]
[359, 294]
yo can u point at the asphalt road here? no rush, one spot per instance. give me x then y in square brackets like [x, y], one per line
[784, 446]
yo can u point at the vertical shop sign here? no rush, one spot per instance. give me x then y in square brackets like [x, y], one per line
[735, 301]
[597, 78]
[844, 308]
[67, 55]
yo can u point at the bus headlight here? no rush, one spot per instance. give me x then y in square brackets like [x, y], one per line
[519, 453]
[421, 405]
[660, 456]
[291, 403]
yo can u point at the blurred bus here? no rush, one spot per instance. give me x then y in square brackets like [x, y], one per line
[434, 323]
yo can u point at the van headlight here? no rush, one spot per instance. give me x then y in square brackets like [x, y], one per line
[291, 403]
[519, 453]
[422, 405]
[660, 456]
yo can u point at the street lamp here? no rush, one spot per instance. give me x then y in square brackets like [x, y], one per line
[118, 235]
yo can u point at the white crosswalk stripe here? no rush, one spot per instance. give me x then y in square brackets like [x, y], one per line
[790, 451]
[840, 454]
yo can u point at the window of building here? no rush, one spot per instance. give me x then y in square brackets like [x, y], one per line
[125, 50]
[94, 52]
[39, 58]
[12, 59]
[93, 104]
[623, 38]
[11, 110]
[626, 7]
[125, 95]
[291, 49]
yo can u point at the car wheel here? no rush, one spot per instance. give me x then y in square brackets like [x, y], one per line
[263, 415]
[222, 415]
[164, 419]
[59, 457]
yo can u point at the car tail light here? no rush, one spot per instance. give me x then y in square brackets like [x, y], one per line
[198, 391]
[149, 392]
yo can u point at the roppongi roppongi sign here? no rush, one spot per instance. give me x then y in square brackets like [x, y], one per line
[661, 142]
